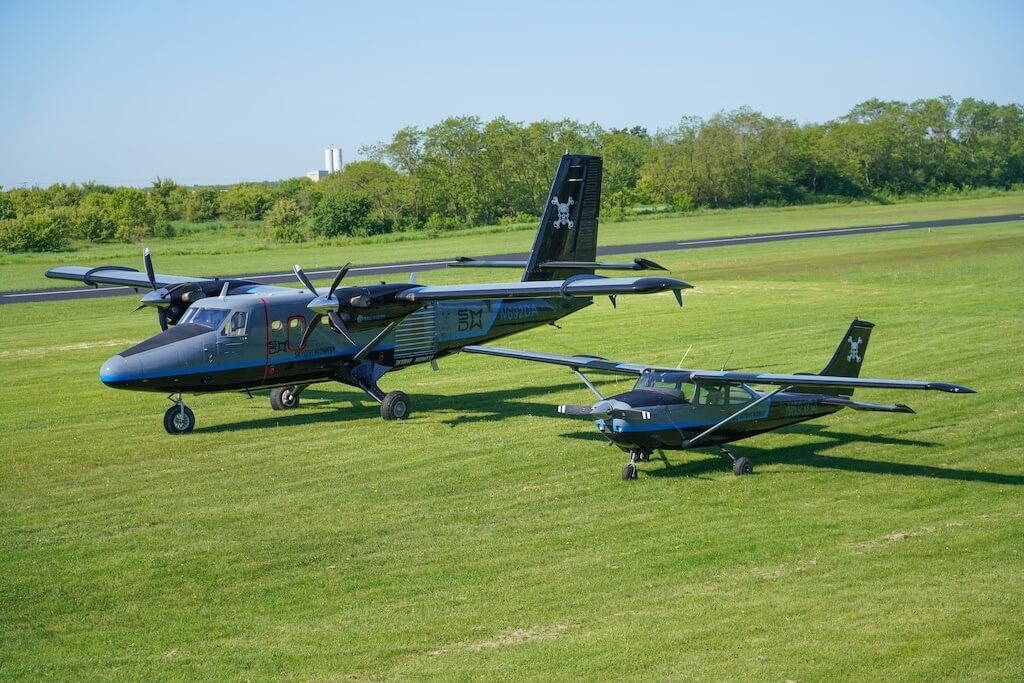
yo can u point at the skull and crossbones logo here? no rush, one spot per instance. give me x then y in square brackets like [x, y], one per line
[854, 354]
[563, 213]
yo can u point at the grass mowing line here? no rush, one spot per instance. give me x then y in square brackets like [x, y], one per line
[328, 544]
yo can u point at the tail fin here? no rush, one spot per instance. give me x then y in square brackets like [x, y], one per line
[849, 356]
[568, 228]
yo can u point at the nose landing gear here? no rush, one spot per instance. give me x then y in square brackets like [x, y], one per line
[179, 418]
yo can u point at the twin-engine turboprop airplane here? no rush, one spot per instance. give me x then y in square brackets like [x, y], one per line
[677, 409]
[238, 335]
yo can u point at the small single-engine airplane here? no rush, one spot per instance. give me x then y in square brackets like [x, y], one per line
[238, 335]
[677, 409]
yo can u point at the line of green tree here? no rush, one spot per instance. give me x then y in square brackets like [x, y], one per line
[464, 171]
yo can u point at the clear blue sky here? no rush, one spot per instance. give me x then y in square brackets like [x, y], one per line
[222, 92]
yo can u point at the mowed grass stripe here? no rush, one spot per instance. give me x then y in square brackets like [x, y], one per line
[489, 538]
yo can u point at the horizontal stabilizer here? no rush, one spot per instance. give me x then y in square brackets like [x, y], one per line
[844, 402]
[637, 264]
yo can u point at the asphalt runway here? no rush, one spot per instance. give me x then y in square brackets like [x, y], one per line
[83, 292]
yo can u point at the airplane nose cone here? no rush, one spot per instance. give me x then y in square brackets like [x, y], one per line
[119, 371]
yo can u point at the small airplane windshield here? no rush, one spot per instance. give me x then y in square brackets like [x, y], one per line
[207, 317]
[670, 382]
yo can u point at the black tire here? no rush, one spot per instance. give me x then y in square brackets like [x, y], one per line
[284, 398]
[395, 406]
[629, 472]
[742, 466]
[179, 420]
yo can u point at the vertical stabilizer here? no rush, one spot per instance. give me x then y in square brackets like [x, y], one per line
[849, 355]
[568, 228]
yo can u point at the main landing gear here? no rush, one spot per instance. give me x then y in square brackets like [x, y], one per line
[286, 398]
[741, 465]
[179, 418]
[636, 455]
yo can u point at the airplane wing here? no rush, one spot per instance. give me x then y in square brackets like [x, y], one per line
[117, 275]
[579, 286]
[574, 362]
[130, 277]
[796, 381]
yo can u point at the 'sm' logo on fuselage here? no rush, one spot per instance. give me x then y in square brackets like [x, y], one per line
[854, 354]
[563, 213]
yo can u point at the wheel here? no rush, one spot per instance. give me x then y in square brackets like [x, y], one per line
[629, 472]
[742, 466]
[179, 419]
[284, 398]
[395, 406]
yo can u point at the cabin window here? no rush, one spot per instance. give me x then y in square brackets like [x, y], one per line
[207, 317]
[277, 329]
[235, 326]
[722, 395]
[296, 328]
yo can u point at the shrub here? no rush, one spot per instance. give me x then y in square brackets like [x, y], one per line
[341, 213]
[43, 231]
[438, 223]
[202, 204]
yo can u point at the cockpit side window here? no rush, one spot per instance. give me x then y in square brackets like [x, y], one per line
[722, 395]
[235, 326]
[207, 317]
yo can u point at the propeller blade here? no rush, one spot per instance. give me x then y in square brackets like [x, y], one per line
[575, 410]
[338, 278]
[313, 324]
[305, 280]
[629, 413]
[339, 326]
[161, 315]
[147, 261]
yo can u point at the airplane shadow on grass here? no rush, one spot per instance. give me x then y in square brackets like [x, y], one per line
[815, 455]
[321, 405]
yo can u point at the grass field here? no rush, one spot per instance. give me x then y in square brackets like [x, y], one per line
[243, 251]
[487, 538]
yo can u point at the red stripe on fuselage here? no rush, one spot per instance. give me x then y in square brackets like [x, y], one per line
[266, 342]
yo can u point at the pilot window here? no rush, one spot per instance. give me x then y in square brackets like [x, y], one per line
[235, 326]
[207, 317]
[296, 328]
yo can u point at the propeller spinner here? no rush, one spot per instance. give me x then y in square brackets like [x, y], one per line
[324, 305]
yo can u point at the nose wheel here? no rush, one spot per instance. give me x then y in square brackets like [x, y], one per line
[179, 418]
[636, 455]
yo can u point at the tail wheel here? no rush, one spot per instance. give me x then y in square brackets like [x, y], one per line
[395, 406]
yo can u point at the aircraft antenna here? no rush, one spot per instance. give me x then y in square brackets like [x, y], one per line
[727, 359]
[678, 367]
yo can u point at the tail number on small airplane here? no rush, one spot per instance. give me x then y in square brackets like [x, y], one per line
[520, 311]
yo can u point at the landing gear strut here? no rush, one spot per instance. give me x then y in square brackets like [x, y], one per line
[636, 455]
[741, 465]
[179, 418]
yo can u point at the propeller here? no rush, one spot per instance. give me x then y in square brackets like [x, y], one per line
[158, 297]
[324, 304]
[574, 410]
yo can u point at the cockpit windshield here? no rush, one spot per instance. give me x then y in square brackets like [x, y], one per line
[207, 317]
[671, 382]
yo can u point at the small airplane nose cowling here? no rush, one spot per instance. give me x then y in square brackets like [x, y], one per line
[119, 371]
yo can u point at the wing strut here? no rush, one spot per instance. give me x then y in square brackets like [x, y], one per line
[365, 351]
[588, 383]
[690, 443]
